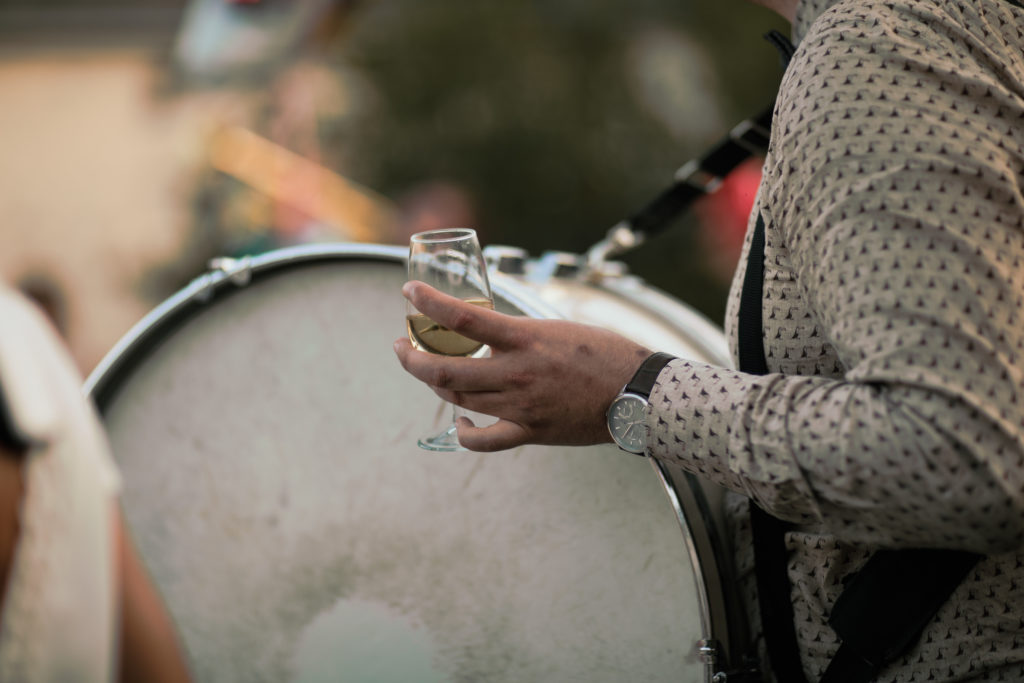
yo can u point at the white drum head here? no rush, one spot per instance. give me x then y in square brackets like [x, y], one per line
[273, 484]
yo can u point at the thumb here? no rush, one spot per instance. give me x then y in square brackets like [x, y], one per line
[500, 436]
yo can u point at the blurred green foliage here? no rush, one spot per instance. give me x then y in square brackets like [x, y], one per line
[535, 108]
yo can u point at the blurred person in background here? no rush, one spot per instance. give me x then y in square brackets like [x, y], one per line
[889, 411]
[77, 604]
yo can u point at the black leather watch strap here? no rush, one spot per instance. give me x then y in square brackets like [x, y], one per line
[644, 379]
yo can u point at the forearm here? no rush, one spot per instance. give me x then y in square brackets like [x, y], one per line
[868, 462]
[149, 644]
[11, 491]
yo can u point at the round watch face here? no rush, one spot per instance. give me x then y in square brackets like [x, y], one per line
[627, 422]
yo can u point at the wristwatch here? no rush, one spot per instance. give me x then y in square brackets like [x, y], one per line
[627, 414]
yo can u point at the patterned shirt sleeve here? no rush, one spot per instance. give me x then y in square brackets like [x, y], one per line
[894, 213]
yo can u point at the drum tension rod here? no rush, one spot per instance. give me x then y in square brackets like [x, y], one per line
[707, 652]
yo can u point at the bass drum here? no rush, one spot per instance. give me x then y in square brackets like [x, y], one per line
[267, 439]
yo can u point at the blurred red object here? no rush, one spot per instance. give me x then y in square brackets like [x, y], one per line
[724, 214]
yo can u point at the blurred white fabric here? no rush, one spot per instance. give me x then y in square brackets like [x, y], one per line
[58, 621]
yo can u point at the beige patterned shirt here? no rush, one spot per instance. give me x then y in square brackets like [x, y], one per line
[894, 325]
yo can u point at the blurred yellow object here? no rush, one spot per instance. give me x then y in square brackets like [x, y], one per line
[357, 213]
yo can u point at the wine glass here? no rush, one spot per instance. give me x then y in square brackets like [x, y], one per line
[450, 260]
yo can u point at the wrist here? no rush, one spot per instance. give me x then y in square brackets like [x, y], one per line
[627, 415]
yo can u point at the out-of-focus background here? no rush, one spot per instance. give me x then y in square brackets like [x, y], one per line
[140, 138]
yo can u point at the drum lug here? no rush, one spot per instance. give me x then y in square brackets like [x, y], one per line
[506, 260]
[560, 265]
[237, 271]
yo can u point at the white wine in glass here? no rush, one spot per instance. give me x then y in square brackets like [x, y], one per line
[451, 261]
[426, 335]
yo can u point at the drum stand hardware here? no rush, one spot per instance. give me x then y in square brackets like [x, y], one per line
[694, 179]
[237, 271]
[707, 652]
[691, 181]
[619, 240]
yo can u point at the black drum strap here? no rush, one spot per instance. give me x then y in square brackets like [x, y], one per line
[770, 566]
[750, 342]
[885, 606]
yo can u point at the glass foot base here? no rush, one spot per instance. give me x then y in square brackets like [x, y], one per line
[448, 440]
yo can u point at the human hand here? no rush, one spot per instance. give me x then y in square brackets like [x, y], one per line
[548, 381]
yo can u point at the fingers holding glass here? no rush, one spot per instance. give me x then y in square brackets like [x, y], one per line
[451, 262]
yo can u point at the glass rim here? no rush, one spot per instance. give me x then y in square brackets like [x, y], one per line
[442, 235]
